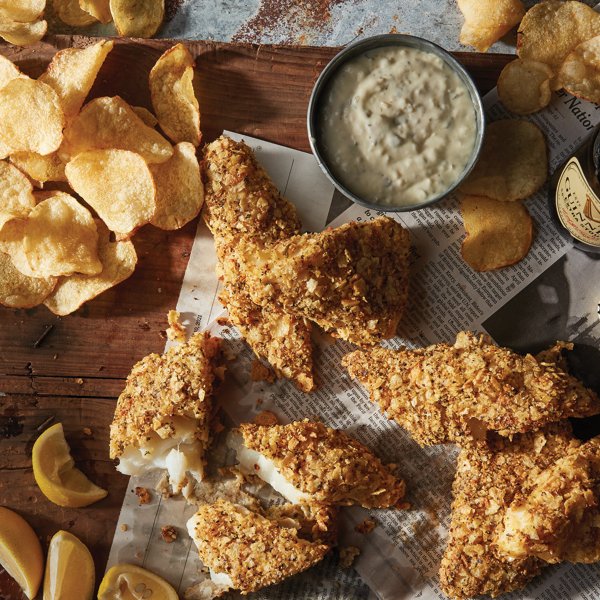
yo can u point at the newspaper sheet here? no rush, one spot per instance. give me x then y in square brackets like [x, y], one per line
[519, 306]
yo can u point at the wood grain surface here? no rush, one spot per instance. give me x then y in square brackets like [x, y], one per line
[74, 374]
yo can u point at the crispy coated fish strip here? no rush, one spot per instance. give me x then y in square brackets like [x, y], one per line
[443, 393]
[489, 475]
[559, 520]
[241, 202]
[352, 280]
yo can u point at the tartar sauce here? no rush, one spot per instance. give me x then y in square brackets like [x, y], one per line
[397, 126]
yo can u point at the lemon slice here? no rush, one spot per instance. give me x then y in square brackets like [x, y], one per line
[128, 582]
[55, 472]
[70, 572]
[20, 552]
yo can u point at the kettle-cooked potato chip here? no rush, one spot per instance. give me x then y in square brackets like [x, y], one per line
[40, 168]
[16, 194]
[18, 290]
[69, 12]
[179, 189]
[23, 34]
[72, 72]
[23, 11]
[513, 163]
[117, 184]
[8, 71]
[552, 29]
[524, 86]
[580, 73]
[145, 115]
[173, 97]
[99, 9]
[486, 21]
[118, 263]
[109, 122]
[499, 234]
[60, 238]
[137, 18]
[31, 117]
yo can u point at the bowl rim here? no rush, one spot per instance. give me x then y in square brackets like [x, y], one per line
[381, 41]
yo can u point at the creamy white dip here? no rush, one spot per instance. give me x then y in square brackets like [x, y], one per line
[397, 126]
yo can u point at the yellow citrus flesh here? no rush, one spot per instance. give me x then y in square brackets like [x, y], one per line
[20, 552]
[128, 582]
[70, 572]
[56, 475]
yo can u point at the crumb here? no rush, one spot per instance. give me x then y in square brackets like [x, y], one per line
[159, 290]
[259, 402]
[79, 381]
[223, 321]
[348, 555]
[163, 334]
[145, 326]
[266, 417]
[55, 357]
[261, 372]
[87, 431]
[143, 495]
[176, 331]
[124, 527]
[366, 526]
[168, 534]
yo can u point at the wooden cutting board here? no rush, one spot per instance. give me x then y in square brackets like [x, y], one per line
[76, 370]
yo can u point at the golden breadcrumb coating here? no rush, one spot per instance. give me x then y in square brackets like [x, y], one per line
[253, 550]
[352, 280]
[488, 476]
[559, 520]
[159, 388]
[445, 393]
[326, 463]
[242, 202]
[314, 522]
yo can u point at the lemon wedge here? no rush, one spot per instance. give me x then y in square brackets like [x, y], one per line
[128, 582]
[20, 552]
[70, 571]
[55, 472]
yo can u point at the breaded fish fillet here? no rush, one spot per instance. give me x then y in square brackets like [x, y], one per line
[445, 393]
[248, 551]
[308, 462]
[352, 280]
[241, 202]
[162, 416]
[488, 476]
[559, 520]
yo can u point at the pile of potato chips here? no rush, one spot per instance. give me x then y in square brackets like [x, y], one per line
[77, 182]
[512, 166]
[22, 21]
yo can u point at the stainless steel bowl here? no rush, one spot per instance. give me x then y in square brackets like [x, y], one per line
[361, 47]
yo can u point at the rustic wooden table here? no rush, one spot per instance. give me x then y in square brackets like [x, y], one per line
[72, 369]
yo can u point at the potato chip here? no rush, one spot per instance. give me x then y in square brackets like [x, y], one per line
[18, 290]
[580, 73]
[72, 72]
[486, 21]
[23, 34]
[106, 123]
[69, 12]
[31, 116]
[179, 189]
[118, 263]
[8, 71]
[551, 30]
[60, 238]
[117, 184]
[16, 194]
[23, 11]
[524, 86]
[137, 18]
[173, 96]
[513, 163]
[40, 168]
[499, 234]
[99, 9]
[145, 115]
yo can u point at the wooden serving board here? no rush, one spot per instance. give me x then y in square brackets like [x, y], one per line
[75, 373]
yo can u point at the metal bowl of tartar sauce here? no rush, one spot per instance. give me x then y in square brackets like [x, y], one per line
[395, 122]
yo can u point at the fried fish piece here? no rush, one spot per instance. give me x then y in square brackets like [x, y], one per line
[247, 551]
[307, 462]
[559, 520]
[444, 393]
[242, 202]
[162, 418]
[488, 476]
[351, 280]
